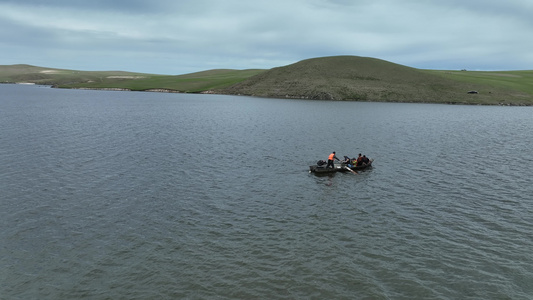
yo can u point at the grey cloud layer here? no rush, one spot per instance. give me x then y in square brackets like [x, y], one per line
[176, 37]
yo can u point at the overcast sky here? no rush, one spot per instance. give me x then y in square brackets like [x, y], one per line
[184, 36]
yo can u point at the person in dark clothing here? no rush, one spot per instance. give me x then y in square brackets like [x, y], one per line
[346, 160]
[359, 160]
[330, 160]
[366, 161]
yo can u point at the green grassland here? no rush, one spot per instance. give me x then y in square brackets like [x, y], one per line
[514, 80]
[188, 83]
[58, 77]
[348, 78]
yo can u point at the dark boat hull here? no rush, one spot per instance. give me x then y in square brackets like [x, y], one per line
[338, 168]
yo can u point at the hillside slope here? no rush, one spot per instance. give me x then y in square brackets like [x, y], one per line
[51, 76]
[188, 83]
[369, 79]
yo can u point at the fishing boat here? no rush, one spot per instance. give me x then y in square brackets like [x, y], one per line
[338, 168]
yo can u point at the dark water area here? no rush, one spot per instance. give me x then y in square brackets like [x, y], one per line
[131, 195]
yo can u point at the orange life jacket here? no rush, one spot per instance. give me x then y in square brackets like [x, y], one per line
[331, 156]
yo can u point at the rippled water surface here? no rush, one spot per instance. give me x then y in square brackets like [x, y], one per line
[126, 195]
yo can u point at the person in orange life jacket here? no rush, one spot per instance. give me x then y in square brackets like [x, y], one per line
[330, 159]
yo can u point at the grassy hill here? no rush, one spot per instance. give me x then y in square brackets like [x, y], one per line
[188, 83]
[50, 76]
[350, 78]
[370, 79]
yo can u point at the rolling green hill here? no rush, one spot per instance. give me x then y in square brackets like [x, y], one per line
[370, 79]
[59, 77]
[350, 78]
[188, 83]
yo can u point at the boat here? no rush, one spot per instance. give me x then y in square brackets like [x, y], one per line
[342, 167]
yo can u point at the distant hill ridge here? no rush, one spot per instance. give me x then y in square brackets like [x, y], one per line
[350, 78]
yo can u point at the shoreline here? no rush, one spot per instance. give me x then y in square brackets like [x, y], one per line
[211, 92]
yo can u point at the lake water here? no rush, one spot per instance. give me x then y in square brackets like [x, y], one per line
[131, 195]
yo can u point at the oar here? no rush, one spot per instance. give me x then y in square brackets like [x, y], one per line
[351, 170]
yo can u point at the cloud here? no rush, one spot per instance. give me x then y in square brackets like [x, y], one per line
[175, 37]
